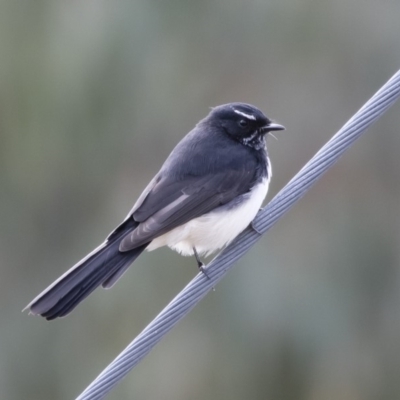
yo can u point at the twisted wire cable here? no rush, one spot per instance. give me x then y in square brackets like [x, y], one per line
[265, 219]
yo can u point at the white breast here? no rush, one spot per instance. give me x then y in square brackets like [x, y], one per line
[216, 229]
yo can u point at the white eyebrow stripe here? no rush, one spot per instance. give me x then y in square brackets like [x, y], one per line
[248, 116]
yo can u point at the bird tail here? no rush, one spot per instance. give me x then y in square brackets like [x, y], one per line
[103, 266]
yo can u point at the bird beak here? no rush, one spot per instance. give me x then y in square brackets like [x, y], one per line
[274, 127]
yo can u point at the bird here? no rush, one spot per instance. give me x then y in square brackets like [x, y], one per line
[206, 193]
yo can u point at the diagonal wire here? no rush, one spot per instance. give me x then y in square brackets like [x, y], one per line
[282, 202]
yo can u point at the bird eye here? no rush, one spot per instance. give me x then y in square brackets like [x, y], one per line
[243, 123]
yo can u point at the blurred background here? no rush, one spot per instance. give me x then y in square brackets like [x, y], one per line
[93, 97]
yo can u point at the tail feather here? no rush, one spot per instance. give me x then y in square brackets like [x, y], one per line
[77, 294]
[65, 305]
[101, 267]
[109, 282]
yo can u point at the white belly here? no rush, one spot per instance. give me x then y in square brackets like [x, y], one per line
[216, 229]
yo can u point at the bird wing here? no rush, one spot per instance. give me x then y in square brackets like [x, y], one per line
[172, 202]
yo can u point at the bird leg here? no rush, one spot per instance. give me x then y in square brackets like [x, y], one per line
[200, 264]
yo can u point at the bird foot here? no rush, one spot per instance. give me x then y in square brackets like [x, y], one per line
[203, 270]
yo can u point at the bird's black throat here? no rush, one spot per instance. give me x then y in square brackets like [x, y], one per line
[256, 140]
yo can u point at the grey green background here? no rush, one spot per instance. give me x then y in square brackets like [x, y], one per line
[93, 97]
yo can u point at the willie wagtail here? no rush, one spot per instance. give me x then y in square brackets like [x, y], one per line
[207, 192]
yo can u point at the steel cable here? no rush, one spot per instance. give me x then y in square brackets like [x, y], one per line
[282, 202]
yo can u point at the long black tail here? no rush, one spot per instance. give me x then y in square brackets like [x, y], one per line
[103, 266]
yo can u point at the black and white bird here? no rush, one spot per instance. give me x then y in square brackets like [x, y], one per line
[207, 191]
